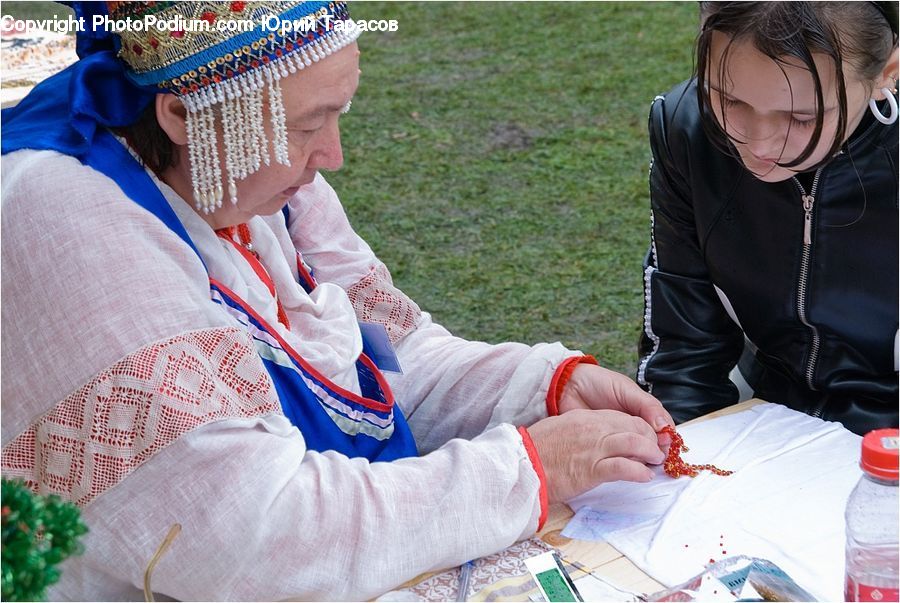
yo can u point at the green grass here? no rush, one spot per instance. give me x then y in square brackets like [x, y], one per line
[496, 159]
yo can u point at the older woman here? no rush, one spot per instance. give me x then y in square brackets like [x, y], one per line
[193, 333]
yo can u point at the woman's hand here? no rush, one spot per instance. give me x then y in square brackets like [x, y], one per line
[583, 448]
[607, 430]
[594, 387]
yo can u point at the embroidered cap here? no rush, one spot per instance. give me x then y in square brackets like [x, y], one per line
[227, 55]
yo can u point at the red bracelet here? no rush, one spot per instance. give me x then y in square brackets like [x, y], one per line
[560, 378]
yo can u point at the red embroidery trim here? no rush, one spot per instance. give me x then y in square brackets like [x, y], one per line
[245, 248]
[305, 274]
[539, 469]
[379, 377]
[560, 378]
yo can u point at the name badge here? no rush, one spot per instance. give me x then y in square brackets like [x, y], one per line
[378, 347]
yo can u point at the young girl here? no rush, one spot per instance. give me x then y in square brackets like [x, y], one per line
[774, 215]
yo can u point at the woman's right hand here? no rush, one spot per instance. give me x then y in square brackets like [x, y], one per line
[583, 448]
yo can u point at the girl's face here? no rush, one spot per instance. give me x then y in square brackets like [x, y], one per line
[770, 108]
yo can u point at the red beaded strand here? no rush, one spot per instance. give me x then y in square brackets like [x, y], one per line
[674, 466]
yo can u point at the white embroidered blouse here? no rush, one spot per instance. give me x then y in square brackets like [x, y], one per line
[128, 391]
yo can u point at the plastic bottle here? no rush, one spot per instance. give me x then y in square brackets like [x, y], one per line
[872, 522]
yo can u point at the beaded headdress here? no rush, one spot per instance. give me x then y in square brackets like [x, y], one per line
[220, 58]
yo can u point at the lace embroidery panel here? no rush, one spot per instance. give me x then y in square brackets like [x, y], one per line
[376, 299]
[103, 431]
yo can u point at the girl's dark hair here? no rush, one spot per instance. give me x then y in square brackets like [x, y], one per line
[150, 141]
[859, 34]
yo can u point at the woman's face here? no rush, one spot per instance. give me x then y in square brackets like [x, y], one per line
[314, 99]
[770, 108]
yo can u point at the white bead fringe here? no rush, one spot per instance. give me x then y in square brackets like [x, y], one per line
[244, 138]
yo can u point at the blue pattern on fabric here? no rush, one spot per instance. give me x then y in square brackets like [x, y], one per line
[306, 410]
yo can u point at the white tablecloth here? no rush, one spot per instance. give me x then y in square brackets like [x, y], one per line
[784, 502]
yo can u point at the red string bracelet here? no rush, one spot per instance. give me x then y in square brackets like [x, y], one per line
[674, 466]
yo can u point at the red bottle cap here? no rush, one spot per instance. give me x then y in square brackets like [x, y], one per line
[880, 454]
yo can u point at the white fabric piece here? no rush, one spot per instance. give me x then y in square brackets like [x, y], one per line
[785, 501]
[320, 229]
[518, 390]
[594, 588]
[91, 278]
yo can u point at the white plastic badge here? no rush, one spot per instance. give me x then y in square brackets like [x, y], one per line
[377, 346]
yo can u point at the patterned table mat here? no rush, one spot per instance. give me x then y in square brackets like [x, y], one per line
[498, 577]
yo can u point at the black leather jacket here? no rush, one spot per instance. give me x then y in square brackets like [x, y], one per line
[728, 263]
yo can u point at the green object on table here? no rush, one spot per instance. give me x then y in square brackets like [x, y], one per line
[38, 533]
[555, 587]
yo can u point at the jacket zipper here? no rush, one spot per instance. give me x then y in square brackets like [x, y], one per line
[808, 202]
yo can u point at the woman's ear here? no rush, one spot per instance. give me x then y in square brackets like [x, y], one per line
[888, 77]
[171, 116]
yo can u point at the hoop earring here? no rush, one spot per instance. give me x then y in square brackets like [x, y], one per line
[892, 103]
